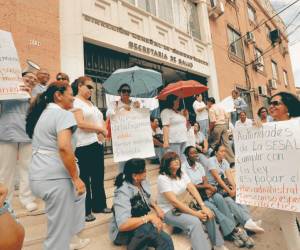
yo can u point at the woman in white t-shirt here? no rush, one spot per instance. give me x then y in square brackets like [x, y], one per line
[89, 151]
[201, 114]
[174, 126]
[173, 184]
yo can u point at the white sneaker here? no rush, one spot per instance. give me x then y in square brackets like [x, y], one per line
[258, 222]
[31, 206]
[221, 248]
[79, 243]
[252, 226]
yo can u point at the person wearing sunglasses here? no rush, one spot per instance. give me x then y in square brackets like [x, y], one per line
[285, 106]
[62, 77]
[89, 151]
[125, 103]
[263, 115]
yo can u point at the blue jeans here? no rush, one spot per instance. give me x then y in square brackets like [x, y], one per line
[240, 212]
[223, 214]
[234, 117]
[178, 148]
[193, 227]
[204, 127]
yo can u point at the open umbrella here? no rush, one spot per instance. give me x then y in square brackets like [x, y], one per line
[140, 80]
[182, 89]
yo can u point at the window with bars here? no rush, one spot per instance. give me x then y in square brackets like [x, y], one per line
[259, 59]
[235, 43]
[165, 10]
[147, 5]
[251, 13]
[274, 70]
[285, 78]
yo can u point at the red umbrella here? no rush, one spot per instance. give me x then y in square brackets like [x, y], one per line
[182, 89]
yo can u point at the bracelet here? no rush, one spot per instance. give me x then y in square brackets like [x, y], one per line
[145, 221]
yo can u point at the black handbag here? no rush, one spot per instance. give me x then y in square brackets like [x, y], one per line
[139, 206]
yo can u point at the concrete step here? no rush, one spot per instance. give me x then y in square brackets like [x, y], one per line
[100, 240]
[98, 231]
[35, 223]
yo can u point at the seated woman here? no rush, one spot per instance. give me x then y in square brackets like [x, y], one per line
[214, 200]
[137, 221]
[174, 184]
[201, 142]
[220, 176]
[12, 234]
[157, 138]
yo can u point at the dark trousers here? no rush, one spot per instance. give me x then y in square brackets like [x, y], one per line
[91, 165]
[145, 236]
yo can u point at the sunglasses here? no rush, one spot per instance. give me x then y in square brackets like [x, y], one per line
[61, 79]
[275, 103]
[125, 91]
[90, 87]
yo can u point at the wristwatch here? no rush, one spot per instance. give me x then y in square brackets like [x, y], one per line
[4, 208]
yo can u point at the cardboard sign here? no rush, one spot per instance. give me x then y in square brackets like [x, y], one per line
[267, 165]
[132, 135]
[10, 70]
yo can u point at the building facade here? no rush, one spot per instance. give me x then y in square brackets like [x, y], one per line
[170, 36]
[247, 57]
[205, 40]
[35, 29]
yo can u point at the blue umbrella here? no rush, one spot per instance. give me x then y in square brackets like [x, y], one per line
[141, 81]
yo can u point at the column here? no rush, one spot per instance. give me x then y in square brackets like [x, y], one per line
[71, 38]
[206, 38]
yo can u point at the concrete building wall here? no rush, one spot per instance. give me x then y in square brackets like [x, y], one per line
[35, 29]
[232, 71]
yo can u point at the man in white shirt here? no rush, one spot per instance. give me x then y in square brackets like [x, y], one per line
[243, 121]
[201, 114]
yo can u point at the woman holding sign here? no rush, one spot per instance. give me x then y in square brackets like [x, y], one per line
[285, 106]
[89, 151]
[15, 145]
[125, 103]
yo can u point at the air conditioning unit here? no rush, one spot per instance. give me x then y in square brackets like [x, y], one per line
[249, 38]
[284, 50]
[217, 9]
[258, 63]
[273, 83]
[262, 90]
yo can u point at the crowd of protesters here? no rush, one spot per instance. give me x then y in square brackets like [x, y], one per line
[54, 143]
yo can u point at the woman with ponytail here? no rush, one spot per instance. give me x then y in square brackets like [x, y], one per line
[53, 173]
[137, 220]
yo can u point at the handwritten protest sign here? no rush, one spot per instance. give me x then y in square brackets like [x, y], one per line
[267, 165]
[132, 135]
[10, 70]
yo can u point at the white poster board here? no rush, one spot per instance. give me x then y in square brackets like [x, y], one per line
[131, 135]
[147, 103]
[268, 165]
[227, 104]
[10, 69]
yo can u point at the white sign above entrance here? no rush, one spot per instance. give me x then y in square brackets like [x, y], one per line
[114, 37]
